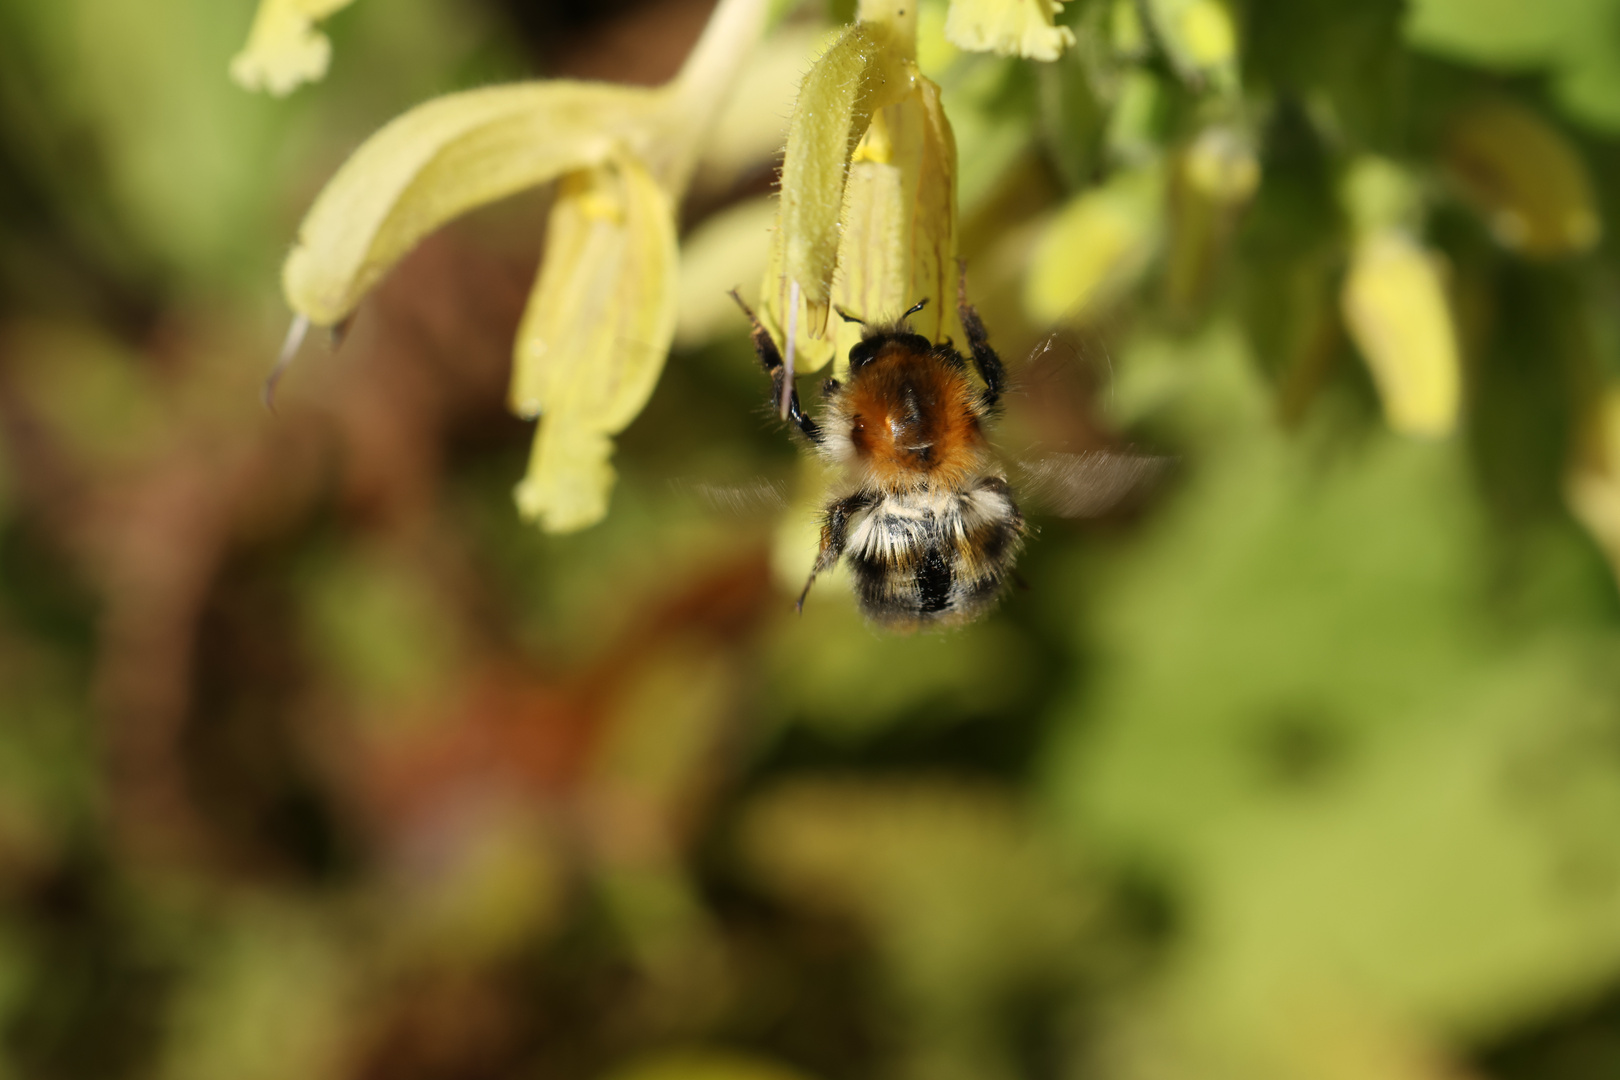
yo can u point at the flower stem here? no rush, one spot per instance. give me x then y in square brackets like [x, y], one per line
[710, 69]
[898, 18]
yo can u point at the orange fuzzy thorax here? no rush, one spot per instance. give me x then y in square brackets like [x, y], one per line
[913, 420]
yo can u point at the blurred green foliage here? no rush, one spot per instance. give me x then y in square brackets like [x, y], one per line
[1301, 764]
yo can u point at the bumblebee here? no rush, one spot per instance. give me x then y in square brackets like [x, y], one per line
[923, 514]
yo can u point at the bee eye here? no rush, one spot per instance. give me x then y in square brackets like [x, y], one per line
[862, 353]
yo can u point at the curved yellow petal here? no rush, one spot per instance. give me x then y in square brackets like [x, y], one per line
[284, 50]
[858, 75]
[593, 339]
[440, 160]
[873, 276]
[1396, 310]
[896, 235]
[899, 243]
[931, 233]
[1008, 27]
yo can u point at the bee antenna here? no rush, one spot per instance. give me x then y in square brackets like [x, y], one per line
[914, 308]
[847, 317]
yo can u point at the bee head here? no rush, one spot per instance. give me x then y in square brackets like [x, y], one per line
[875, 337]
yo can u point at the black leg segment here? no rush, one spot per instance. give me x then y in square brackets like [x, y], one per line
[984, 357]
[772, 362]
[834, 531]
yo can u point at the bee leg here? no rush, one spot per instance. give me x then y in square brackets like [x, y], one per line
[834, 531]
[771, 360]
[826, 559]
[984, 357]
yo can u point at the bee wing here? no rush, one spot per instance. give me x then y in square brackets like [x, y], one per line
[1087, 484]
[754, 498]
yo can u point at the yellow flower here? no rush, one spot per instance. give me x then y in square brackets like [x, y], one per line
[1009, 27]
[600, 319]
[867, 218]
[284, 49]
[1395, 305]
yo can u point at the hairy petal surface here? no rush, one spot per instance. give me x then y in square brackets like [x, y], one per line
[859, 74]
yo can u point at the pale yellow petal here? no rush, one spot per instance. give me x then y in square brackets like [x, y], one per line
[931, 236]
[1396, 310]
[570, 477]
[874, 281]
[440, 160]
[857, 76]
[284, 50]
[899, 243]
[1009, 27]
[594, 337]
[897, 237]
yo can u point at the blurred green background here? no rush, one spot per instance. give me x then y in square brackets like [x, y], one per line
[1302, 763]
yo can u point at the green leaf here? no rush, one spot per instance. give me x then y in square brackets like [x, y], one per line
[1371, 797]
[1577, 40]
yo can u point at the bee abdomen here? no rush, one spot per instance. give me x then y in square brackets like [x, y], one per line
[935, 576]
[935, 560]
